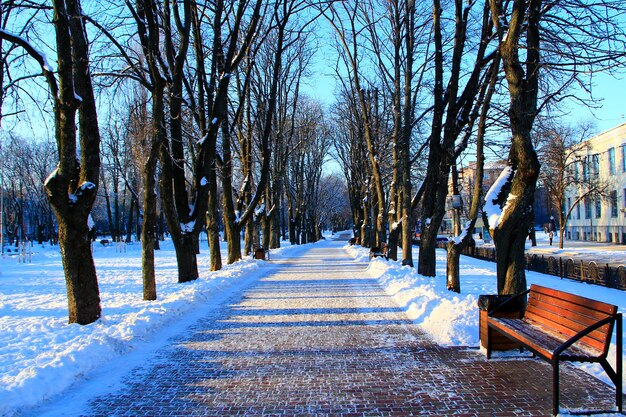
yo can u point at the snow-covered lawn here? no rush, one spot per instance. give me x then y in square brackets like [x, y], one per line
[41, 355]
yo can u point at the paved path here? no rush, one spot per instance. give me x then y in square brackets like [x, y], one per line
[318, 336]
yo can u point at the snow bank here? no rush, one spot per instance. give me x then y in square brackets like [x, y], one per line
[41, 355]
[451, 319]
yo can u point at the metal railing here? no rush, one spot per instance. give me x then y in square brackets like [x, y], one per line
[580, 270]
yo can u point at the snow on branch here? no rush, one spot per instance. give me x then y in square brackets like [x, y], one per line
[458, 239]
[492, 208]
[39, 56]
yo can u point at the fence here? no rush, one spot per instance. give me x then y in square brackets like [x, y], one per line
[579, 270]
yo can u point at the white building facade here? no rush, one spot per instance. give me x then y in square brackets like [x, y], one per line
[601, 218]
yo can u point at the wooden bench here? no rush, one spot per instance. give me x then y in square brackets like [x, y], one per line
[381, 251]
[259, 252]
[559, 326]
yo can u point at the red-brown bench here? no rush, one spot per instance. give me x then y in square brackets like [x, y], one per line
[559, 326]
[382, 251]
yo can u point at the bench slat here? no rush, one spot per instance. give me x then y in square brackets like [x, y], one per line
[575, 299]
[553, 324]
[566, 314]
[539, 339]
[576, 309]
[566, 322]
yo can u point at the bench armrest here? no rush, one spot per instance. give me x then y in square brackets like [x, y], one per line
[513, 297]
[583, 333]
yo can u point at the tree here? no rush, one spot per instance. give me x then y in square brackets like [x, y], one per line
[348, 22]
[574, 37]
[453, 114]
[350, 153]
[562, 154]
[464, 237]
[396, 48]
[72, 187]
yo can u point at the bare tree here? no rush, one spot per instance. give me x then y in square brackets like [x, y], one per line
[348, 21]
[567, 37]
[564, 167]
[72, 187]
[453, 113]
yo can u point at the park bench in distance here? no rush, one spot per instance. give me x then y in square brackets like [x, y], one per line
[259, 252]
[559, 326]
[381, 251]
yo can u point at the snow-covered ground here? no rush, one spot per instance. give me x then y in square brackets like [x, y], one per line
[41, 355]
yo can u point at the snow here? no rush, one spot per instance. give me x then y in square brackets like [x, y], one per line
[87, 185]
[202, 139]
[451, 319]
[90, 223]
[41, 356]
[203, 181]
[260, 210]
[214, 121]
[42, 57]
[187, 227]
[458, 239]
[52, 175]
[491, 208]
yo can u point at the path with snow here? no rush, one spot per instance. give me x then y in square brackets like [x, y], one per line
[317, 335]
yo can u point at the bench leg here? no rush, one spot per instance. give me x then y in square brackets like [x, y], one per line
[489, 342]
[555, 387]
[618, 362]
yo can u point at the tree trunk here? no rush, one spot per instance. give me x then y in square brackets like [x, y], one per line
[83, 295]
[426, 261]
[212, 223]
[452, 269]
[522, 78]
[147, 230]
[392, 245]
[73, 186]
[185, 246]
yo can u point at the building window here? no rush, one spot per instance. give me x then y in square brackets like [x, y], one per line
[623, 158]
[612, 161]
[595, 165]
[598, 208]
[578, 210]
[568, 205]
[587, 208]
[585, 169]
[614, 203]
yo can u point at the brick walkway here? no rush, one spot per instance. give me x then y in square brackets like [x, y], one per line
[319, 337]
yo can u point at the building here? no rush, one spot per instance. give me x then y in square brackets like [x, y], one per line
[491, 172]
[467, 179]
[600, 218]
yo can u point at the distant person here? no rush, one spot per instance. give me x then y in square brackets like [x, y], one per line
[550, 236]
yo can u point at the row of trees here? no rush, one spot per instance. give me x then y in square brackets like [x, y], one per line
[200, 118]
[426, 84]
[205, 121]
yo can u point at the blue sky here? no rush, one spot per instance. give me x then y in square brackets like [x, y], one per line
[610, 113]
